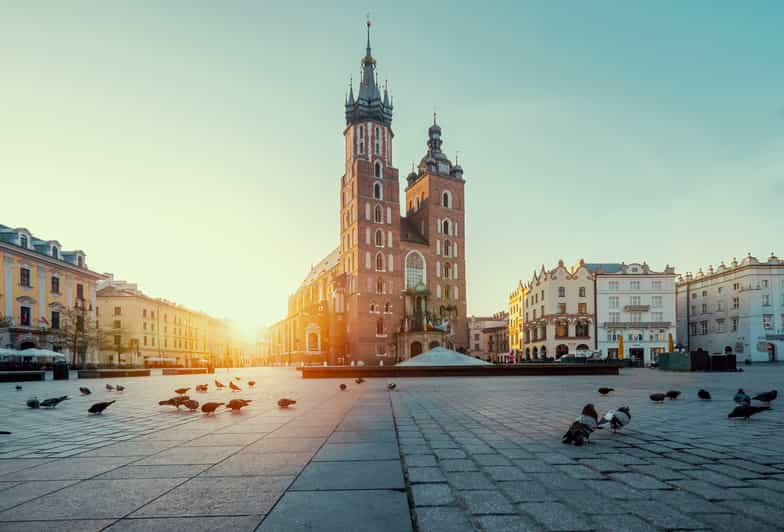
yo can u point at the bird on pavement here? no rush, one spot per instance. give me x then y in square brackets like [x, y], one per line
[672, 394]
[177, 401]
[237, 404]
[109, 387]
[391, 386]
[285, 403]
[766, 397]
[181, 391]
[33, 402]
[237, 378]
[4, 432]
[209, 408]
[742, 398]
[251, 383]
[342, 387]
[219, 384]
[201, 388]
[120, 388]
[704, 394]
[97, 408]
[234, 387]
[746, 411]
[580, 430]
[190, 404]
[617, 418]
[85, 390]
[605, 391]
[657, 397]
[18, 387]
[359, 380]
[54, 401]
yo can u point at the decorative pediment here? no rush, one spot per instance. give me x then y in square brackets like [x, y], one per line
[54, 305]
[26, 300]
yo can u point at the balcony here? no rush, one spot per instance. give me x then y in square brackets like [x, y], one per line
[637, 324]
[636, 308]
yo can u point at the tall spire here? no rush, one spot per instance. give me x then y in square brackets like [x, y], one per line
[367, 50]
[369, 103]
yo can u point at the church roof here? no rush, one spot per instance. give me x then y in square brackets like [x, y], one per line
[369, 104]
[440, 356]
[323, 266]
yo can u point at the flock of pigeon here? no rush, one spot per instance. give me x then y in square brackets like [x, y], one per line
[580, 430]
[235, 405]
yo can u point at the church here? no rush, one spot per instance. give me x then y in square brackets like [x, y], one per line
[395, 286]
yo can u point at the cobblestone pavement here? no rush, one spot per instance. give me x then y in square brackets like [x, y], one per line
[446, 454]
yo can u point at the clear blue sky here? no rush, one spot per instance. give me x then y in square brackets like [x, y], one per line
[195, 146]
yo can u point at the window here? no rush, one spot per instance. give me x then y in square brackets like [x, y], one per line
[634, 285]
[80, 260]
[719, 326]
[144, 313]
[144, 325]
[55, 285]
[614, 301]
[446, 200]
[379, 286]
[736, 286]
[693, 329]
[562, 308]
[361, 139]
[720, 289]
[379, 238]
[704, 308]
[23, 241]
[734, 322]
[657, 316]
[703, 327]
[735, 302]
[634, 300]
[656, 285]
[380, 327]
[447, 248]
[153, 341]
[24, 315]
[24, 277]
[561, 291]
[720, 306]
[615, 317]
[377, 188]
[694, 309]
[582, 308]
[656, 301]
[613, 285]
[767, 321]
[635, 317]
[55, 321]
[388, 308]
[377, 141]
[581, 291]
[378, 215]
[764, 283]
[80, 292]
[117, 311]
[379, 262]
[765, 300]
[116, 324]
[694, 295]
[445, 227]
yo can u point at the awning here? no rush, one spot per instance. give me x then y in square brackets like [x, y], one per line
[159, 359]
[31, 353]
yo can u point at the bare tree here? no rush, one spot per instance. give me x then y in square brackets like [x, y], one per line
[78, 332]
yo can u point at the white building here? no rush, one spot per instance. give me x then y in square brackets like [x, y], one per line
[636, 303]
[737, 308]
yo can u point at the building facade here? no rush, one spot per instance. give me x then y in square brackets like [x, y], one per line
[516, 318]
[47, 296]
[138, 330]
[395, 285]
[489, 335]
[559, 312]
[636, 303]
[736, 308]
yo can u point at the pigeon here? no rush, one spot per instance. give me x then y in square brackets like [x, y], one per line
[285, 403]
[237, 378]
[657, 397]
[18, 387]
[746, 411]
[109, 387]
[617, 418]
[236, 404]
[201, 388]
[742, 398]
[209, 408]
[177, 401]
[342, 387]
[54, 401]
[704, 394]
[181, 391]
[219, 384]
[33, 402]
[672, 394]
[251, 383]
[190, 404]
[580, 430]
[391, 386]
[97, 408]
[605, 391]
[85, 390]
[120, 388]
[359, 380]
[4, 432]
[767, 397]
[234, 387]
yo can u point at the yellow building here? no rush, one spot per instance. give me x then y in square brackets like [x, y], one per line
[47, 297]
[516, 314]
[137, 329]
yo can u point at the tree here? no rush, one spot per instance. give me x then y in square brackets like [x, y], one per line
[78, 333]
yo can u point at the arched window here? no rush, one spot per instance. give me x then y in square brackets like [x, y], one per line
[388, 307]
[378, 215]
[373, 307]
[445, 227]
[379, 238]
[379, 262]
[447, 270]
[418, 203]
[446, 199]
[361, 139]
[377, 170]
[380, 326]
[377, 138]
[447, 248]
[379, 286]
[415, 269]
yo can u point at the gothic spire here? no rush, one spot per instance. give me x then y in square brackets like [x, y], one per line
[369, 104]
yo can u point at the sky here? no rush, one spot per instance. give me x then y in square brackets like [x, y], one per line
[195, 147]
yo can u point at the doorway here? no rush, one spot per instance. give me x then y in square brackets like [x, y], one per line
[416, 349]
[771, 352]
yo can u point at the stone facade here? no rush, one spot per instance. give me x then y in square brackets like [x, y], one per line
[736, 308]
[489, 335]
[516, 317]
[395, 285]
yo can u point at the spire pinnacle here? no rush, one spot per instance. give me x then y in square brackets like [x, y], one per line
[368, 35]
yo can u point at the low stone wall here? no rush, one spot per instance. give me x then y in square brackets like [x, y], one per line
[532, 369]
[22, 376]
[109, 373]
[185, 371]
